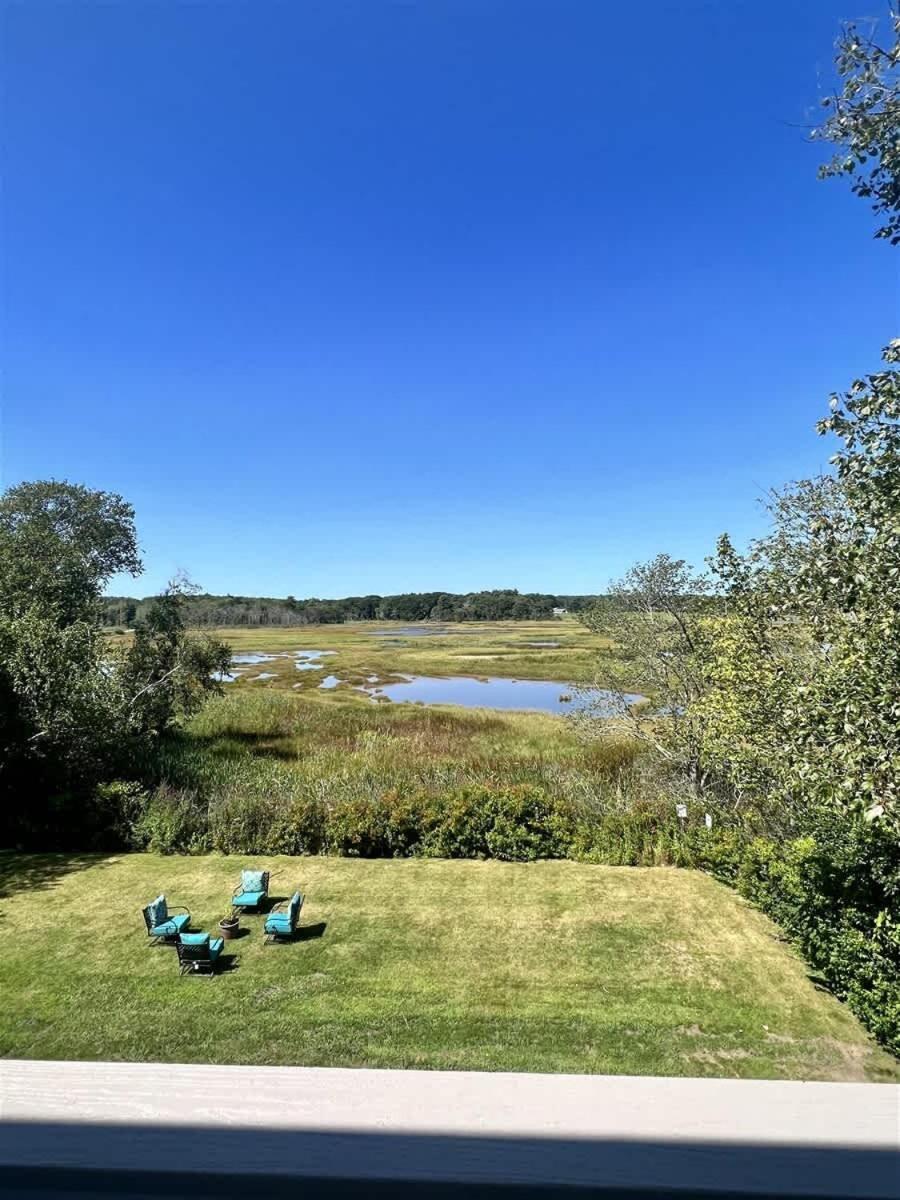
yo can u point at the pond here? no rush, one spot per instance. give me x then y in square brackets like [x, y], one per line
[225, 676]
[305, 660]
[541, 695]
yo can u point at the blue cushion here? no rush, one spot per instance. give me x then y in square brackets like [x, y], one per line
[158, 910]
[215, 948]
[296, 901]
[250, 899]
[252, 881]
[172, 926]
[280, 921]
[195, 939]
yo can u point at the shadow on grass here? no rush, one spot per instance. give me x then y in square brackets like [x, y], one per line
[308, 933]
[238, 743]
[303, 933]
[225, 965]
[820, 983]
[37, 872]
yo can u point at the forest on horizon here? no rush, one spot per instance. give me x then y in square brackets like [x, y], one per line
[209, 611]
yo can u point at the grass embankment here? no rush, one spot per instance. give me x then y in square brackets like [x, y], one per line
[489, 966]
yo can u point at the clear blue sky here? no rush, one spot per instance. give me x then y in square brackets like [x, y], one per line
[382, 296]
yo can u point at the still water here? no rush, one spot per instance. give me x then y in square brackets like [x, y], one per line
[541, 695]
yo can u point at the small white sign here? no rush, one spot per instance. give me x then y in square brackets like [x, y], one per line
[709, 820]
[681, 809]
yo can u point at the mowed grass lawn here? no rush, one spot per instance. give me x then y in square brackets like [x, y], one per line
[551, 966]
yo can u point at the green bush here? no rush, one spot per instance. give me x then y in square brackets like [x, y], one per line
[515, 823]
[173, 821]
[298, 827]
[117, 806]
[642, 833]
[358, 827]
[864, 968]
[835, 891]
[242, 823]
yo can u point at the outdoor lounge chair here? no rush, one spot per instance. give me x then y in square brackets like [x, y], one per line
[198, 953]
[164, 924]
[282, 920]
[251, 891]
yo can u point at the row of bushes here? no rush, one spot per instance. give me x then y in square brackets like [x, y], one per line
[511, 822]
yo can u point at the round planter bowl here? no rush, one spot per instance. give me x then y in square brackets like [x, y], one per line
[229, 928]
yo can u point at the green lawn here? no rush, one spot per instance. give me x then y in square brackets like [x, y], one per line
[552, 966]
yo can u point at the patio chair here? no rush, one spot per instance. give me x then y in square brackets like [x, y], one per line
[251, 891]
[198, 953]
[282, 920]
[164, 924]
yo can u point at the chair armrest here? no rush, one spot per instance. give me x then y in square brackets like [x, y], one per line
[281, 906]
[238, 890]
[179, 908]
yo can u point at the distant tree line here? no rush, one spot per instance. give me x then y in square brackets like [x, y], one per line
[205, 611]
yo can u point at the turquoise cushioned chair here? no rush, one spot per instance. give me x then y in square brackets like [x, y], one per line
[198, 953]
[281, 922]
[251, 891]
[163, 923]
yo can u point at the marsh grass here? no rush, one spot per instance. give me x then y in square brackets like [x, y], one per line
[269, 771]
[351, 724]
[551, 966]
[480, 649]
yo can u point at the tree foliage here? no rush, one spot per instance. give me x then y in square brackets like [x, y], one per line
[795, 697]
[501, 604]
[165, 674]
[657, 621]
[59, 545]
[864, 122]
[74, 713]
[805, 671]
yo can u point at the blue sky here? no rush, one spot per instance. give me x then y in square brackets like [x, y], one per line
[373, 297]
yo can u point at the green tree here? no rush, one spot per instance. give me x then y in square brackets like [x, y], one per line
[59, 545]
[803, 709]
[75, 712]
[805, 672]
[166, 674]
[864, 122]
[62, 708]
[656, 619]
